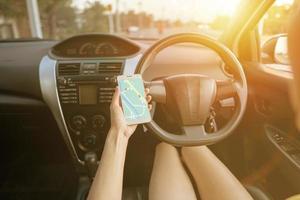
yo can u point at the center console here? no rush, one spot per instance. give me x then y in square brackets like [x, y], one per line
[85, 90]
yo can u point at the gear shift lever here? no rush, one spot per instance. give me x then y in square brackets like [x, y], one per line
[91, 163]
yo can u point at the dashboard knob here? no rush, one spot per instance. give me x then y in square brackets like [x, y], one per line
[98, 121]
[78, 122]
[89, 141]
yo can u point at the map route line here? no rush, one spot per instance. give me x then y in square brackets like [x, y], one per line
[135, 90]
[128, 109]
[129, 103]
[134, 106]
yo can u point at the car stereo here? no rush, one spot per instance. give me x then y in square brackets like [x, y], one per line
[90, 90]
[88, 83]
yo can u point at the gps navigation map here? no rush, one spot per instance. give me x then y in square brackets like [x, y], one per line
[135, 106]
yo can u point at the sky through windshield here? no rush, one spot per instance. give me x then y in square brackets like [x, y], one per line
[134, 18]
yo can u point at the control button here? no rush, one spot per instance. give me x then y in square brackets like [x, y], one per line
[67, 89]
[106, 89]
[105, 97]
[278, 138]
[64, 94]
[287, 147]
[78, 122]
[61, 87]
[106, 93]
[104, 101]
[77, 132]
[62, 81]
[68, 98]
[98, 121]
[296, 158]
[113, 79]
[89, 66]
[69, 102]
[89, 140]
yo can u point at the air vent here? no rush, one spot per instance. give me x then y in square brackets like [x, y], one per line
[110, 67]
[68, 69]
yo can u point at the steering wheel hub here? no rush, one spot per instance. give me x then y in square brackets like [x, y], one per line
[189, 97]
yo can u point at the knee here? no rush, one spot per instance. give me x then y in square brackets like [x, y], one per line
[196, 151]
[164, 148]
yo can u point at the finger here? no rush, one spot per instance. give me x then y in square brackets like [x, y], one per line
[148, 98]
[116, 97]
[147, 90]
[150, 107]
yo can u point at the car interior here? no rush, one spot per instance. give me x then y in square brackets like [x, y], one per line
[55, 97]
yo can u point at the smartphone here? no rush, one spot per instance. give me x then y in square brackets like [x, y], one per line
[133, 99]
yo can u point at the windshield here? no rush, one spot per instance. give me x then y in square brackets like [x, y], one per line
[59, 19]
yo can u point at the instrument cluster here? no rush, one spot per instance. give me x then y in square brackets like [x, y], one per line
[95, 46]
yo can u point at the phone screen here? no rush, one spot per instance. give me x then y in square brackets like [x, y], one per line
[135, 106]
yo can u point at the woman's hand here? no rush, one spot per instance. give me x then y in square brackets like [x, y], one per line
[118, 123]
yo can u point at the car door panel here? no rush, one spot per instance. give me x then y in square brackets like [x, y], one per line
[274, 137]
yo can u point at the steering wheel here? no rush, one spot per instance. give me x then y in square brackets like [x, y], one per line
[189, 97]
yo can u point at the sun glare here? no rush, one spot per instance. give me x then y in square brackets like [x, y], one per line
[185, 10]
[203, 11]
[284, 2]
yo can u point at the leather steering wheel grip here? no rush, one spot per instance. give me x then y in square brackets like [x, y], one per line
[189, 96]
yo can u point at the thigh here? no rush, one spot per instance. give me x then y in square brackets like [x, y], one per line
[213, 178]
[169, 179]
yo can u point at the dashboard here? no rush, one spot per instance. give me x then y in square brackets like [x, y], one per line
[75, 79]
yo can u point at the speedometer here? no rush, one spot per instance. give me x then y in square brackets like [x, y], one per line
[106, 49]
[86, 49]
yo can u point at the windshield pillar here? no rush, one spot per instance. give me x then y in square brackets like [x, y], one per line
[34, 19]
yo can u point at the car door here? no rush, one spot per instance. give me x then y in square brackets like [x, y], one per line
[272, 147]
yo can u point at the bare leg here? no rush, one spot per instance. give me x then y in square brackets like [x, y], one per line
[169, 180]
[213, 179]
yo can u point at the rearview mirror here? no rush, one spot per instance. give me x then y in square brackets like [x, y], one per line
[281, 55]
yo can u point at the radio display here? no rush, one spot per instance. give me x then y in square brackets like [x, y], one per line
[87, 94]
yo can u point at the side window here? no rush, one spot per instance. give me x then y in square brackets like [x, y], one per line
[273, 31]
